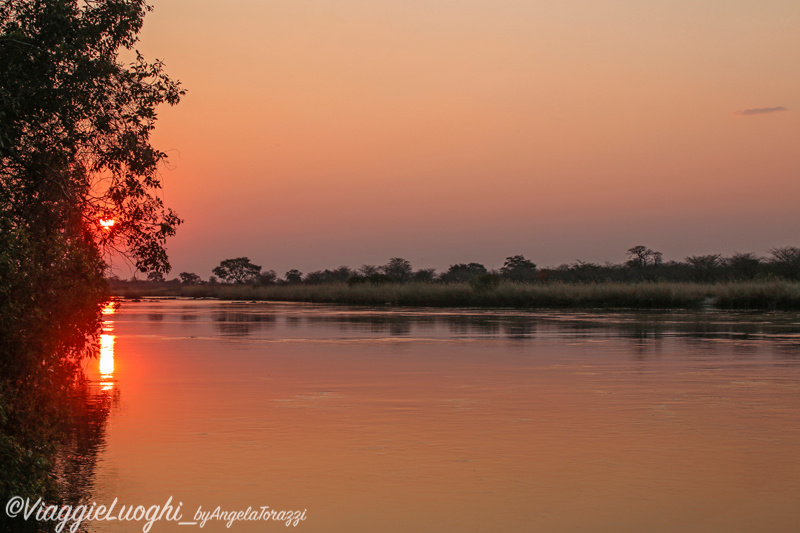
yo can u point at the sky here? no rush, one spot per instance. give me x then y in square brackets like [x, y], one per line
[316, 134]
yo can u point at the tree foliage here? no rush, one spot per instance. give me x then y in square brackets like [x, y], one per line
[743, 266]
[398, 270]
[294, 276]
[190, 278]
[369, 270]
[424, 275]
[78, 176]
[336, 275]
[517, 268]
[463, 273]
[642, 265]
[642, 257]
[267, 277]
[75, 144]
[786, 262]
[238, 270]
[704, 268]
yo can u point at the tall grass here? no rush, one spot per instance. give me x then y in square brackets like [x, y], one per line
[666, 295]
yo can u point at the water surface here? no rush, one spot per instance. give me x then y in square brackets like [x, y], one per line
[464, 421]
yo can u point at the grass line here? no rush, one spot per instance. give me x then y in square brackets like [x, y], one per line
[768, 295]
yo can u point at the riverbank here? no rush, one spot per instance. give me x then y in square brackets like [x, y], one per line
[766, 295]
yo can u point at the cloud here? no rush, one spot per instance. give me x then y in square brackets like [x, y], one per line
[761, 110]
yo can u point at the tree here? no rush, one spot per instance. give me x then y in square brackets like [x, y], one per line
[75, 153]
[338, 275]
[786, 262]
[642, 256]
[294, 276]
[517, 268]
[376, 278]
[190, 278]
[397, 269]
[580, 271]
[424, 275]
[78, 177]
[239, 270]
[463, 273]
[704, 268]
[268, 277]
[744, 266]
[369, 270]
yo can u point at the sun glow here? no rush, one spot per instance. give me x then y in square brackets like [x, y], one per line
[106, 356]
[107, 223]
[106, 363]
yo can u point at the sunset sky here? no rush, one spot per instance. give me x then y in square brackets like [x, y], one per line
[316, 133]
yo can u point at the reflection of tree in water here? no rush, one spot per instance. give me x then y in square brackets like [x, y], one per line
[241, 323]
[66, 434]
[77, 456]
[468, 325]
[399, 329]
[294, 321]
[400, 324]
[519, 328]
[789, 350]
[645, 328]
[53, 418]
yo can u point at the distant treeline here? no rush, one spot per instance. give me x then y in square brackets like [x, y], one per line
[642, 265]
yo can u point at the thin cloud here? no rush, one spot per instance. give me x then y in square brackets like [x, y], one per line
[761, 110]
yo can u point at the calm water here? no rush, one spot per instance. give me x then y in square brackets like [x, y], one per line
[437, 421]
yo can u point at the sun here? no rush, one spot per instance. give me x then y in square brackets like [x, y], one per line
[107, 223]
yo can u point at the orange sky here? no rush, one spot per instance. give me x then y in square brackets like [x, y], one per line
[316, 134]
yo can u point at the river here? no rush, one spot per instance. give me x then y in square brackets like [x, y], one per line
[435, 420]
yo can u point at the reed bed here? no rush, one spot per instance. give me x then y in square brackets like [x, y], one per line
[770, 295]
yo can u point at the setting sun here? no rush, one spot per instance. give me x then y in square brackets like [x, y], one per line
[107, 223]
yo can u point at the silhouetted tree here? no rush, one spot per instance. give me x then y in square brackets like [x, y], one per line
[397, 269]
[190, 278]
[641, 256]
[315, 277]
[76, 123]
[463, 273]
[517, 268]
[579, 271]
[375, 278]
[424, 275]
[644, 264]
[785, 262]
[368, 270]
[77, 175]
[485, 282]
[294, 276]
[339, 275]
[705, 268]
[267, 277]
[239, 270]
[744, 266]
[155, 277]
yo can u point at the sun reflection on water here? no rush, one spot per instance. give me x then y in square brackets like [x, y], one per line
[106, 362]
